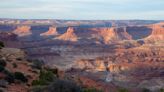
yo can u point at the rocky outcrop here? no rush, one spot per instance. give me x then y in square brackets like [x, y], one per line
[51, 32]
[153, 84]
[8, 36]
[23, 31]
[69, 35]
[10, 39]
[113, 34]
[134, 66]
[92, 83]
[157, 32]
[124, 60]
[15, 60]
[91, 65]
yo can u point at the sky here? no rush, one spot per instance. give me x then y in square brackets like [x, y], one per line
[83, 9]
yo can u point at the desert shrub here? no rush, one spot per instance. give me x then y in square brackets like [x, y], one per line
[10, 76]
[46, 75]
[20, 76]
[2, 68]
[145, 90]
[54, 71]
[161, 90]
[38, 64]
[39, 82]
[45, 78]
[1, 44]
[63, 86]
[34, 71]
[14, 65]
[19, 59]
[91, 90]
[38, 89]
[123, 90]
[1, 90]
[3, 62]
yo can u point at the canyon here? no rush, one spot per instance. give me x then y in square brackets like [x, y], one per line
[108, 54]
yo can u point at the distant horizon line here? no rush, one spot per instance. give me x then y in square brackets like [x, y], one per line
[84, 19]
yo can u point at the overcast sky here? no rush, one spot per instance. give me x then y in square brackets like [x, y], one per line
[82, 9]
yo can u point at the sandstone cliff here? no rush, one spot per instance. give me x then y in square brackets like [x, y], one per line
[23, 31]
[51, 32]
[114, 34]
[157, 32]
[69, 35]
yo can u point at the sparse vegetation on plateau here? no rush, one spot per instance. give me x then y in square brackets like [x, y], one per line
[91, 90]
[1, 68]
[1, 45]
[20, 76]
[145, 90]
[15, 65]
[161, 90]
[45, 78]
[123, 90]
[38, 64]
[63, 86]
[3, 62]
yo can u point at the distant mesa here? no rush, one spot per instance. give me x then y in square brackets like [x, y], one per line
[114, 34]
[88, 34]
[51, 32]
[157, 32]
[69, 35]
[23, 31]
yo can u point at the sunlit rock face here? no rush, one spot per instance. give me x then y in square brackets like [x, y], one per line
[114, 34]
[108, 35]
[157, 32]
[51, 32]
[23, 31]
[69, 35]
[100, 65]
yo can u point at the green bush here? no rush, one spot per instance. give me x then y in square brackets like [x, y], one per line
[15, 65]
[20, 76]
[45, 78]
[46, 75]
[161, 90]
[90, 90]
[39, 82]
[54, 70]
[145, 90]
[10, 76]
[3, 62]
[2, 68]
[38, 64]
[123, 90]
[63, 86]
[38, 89]
[1, 44]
